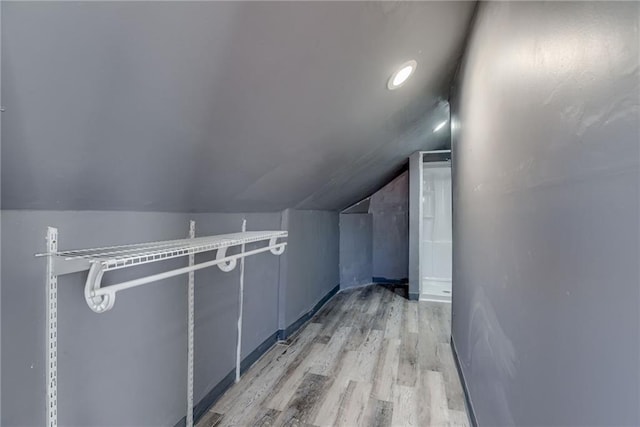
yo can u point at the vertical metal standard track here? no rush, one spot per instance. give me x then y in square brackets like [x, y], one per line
[190, 322]
[52, 331]
[239, 345]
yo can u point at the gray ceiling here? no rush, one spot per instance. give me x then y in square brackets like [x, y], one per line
[188, 106]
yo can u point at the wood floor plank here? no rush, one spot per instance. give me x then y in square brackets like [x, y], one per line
[367, 357]
[427, 340]
[433, 409]
[458, 418]
[386, 373]
[445, 328]
[376, 298]
[322, 340]
[438, 402]
[438, 317]
[453, 388]
[330, 404]
[283, 391]
[380, 317]
[345, 398]
[349, 370]
[412, 317]
[359, 331]
[332, 401]
[325, 360]
[338, 317]
[361, 320]
[405, 407]
[365, 295]
[394, 318]
[300, 408]
[265, 417]
[408, 367]
[353, 408]
[380, 413]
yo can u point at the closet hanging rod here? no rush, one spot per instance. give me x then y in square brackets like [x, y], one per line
[101, 299]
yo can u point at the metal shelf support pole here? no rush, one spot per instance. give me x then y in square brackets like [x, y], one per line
[190, 323]
[241, 298]
[52, 331]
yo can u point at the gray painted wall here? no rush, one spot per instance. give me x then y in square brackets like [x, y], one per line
[356, 235]
[389, 208]
[128, 366]
[546, 214]
[309, 266]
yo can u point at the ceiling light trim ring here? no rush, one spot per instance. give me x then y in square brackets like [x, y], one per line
[392, 84]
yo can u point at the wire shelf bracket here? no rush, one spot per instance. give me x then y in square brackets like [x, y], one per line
[100, 299]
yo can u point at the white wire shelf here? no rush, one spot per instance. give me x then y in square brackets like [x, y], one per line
[101, 260]
[116, 257]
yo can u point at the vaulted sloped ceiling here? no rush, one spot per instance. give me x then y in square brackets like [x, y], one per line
[202, 106]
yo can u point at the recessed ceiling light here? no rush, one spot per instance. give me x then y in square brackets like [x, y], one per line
[398, 78]
[440, 126]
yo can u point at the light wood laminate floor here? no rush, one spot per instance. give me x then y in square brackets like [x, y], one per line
[369, 357]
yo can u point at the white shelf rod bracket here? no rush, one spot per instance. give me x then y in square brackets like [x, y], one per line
[225, 266]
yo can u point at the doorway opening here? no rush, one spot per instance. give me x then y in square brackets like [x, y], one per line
[430, 267]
